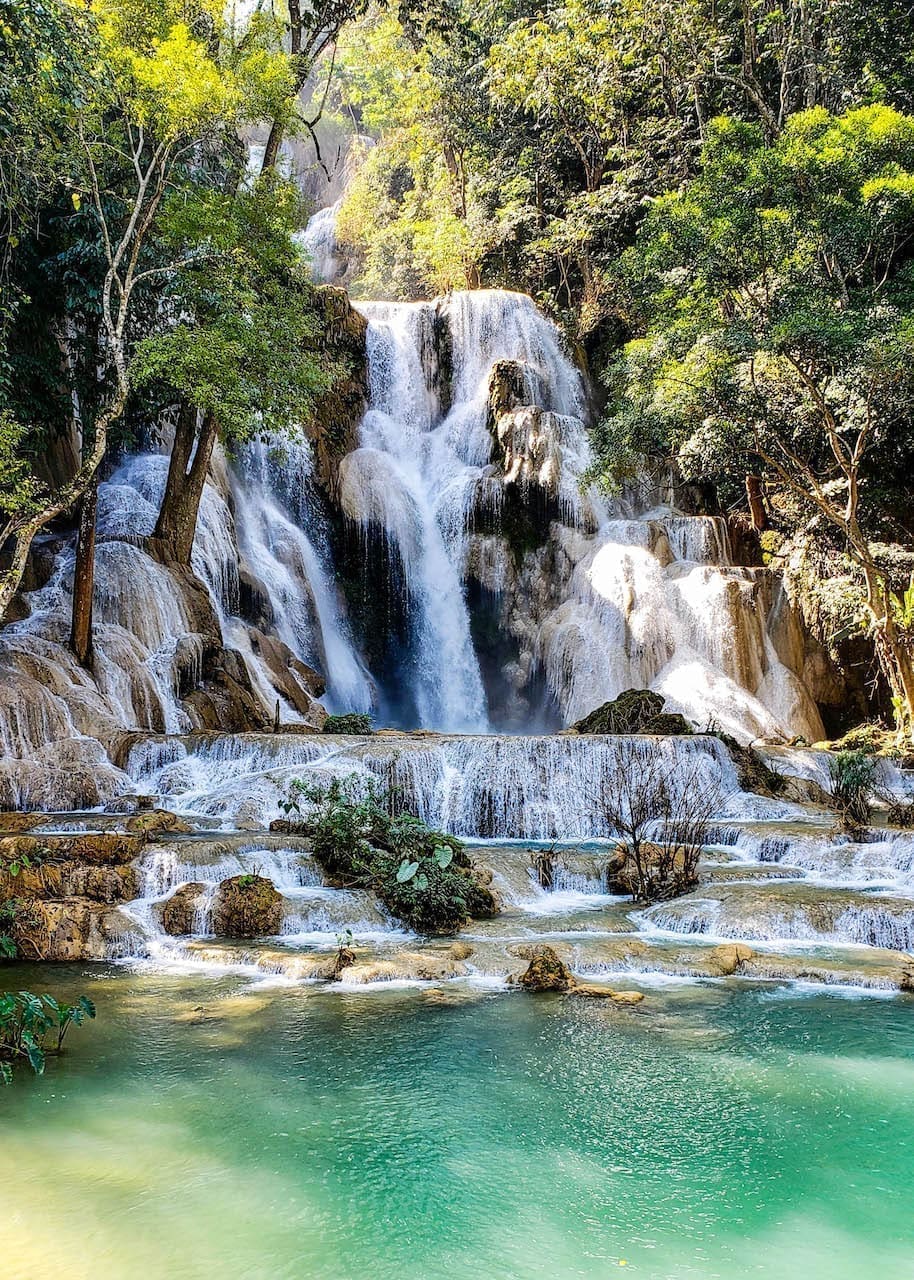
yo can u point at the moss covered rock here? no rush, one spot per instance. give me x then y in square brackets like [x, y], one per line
[546, 972]
[634, 711]
[247, 906]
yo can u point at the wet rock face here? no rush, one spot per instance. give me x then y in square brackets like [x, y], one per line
[299, 684]
[225, 697]
[181, 913]
[247, 906]
[70, 929]
[333, 429]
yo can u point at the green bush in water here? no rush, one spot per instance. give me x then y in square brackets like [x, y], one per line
[423, 877]
[354, 723]
[852, 780]
[33, 1026]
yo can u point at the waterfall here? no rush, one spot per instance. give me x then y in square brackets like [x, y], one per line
[514, 596]
[485, 787]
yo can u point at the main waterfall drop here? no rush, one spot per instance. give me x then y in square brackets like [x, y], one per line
[528, 598]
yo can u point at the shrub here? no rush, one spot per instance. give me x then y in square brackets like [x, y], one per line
[31, 1027]
[852, 780]
[661, 808]
[422, 876]
[355, 724]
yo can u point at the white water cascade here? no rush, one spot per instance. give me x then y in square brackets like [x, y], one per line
[620, 595]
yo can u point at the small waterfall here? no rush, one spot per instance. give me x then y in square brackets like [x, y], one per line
[284, 543]
[318, 240]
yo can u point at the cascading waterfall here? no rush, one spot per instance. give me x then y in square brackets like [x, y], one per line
[478, 507]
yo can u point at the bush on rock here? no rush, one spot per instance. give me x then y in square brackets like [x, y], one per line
[423, 877]
[634, 711]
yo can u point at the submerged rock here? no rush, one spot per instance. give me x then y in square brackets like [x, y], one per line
[247, 906]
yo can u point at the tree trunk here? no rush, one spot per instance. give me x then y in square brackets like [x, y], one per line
[84, 578]
[271, 152]
[274, 141]
[892, 650]
[756, 498]
[173, 536]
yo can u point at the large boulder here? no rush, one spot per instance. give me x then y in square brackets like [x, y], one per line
[546, 972]
[247, 906]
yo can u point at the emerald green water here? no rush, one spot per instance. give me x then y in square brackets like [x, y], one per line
[205, 1128]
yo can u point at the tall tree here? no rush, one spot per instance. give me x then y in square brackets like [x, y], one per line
[242, 360]
[776, 292]
[161, 98]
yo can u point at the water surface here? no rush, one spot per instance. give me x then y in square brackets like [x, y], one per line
[207, 1127]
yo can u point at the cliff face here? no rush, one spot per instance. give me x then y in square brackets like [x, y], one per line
[333, 429]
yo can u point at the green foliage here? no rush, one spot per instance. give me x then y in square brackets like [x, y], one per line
[774, 290]
[242, 350]
[354, 723]
[423, 877]
[33, 1026]
[852, 776]
[16, 917]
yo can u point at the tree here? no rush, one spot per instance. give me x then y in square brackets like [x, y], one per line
[162, 96]
[311, 30]
[241, 360]
[775, 293]
[660, 807]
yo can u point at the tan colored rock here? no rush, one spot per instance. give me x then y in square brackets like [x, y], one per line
[69, 929]
[110, 848]
[407, 965]
[460, 950]
[593, 991]
[729, 957]
[153, 822]
[180, 912]
[545, 972]
[13, 822]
